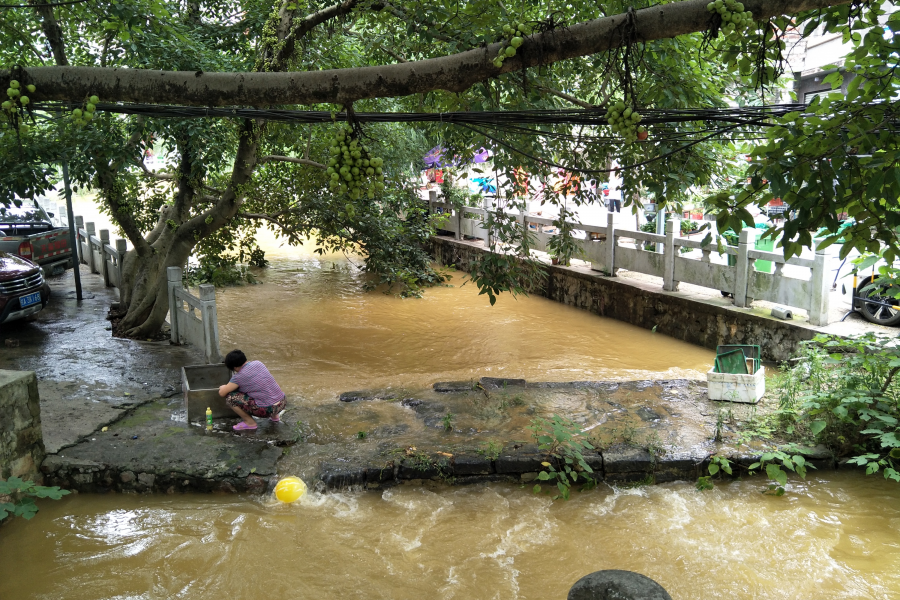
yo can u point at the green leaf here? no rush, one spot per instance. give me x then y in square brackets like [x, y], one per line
[775, 472]
[816, 427]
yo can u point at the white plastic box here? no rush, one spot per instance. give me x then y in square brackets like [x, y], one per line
[747, 389]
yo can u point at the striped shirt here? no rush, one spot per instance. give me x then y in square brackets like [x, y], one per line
[255, 380]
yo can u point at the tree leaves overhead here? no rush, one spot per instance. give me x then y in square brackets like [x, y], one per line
[839, 157]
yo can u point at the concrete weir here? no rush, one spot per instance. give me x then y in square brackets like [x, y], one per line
[675, 314]
[642, 431]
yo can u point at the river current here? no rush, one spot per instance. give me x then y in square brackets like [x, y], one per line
[834, 535]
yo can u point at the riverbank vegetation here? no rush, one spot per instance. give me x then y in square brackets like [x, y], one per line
[17, 497]
[839, 392]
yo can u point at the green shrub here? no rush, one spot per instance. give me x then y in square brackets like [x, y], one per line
[563, 443]
[843, 392]
[21, 496]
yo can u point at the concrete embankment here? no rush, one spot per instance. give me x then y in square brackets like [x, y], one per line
[153, 449]
[677, 314]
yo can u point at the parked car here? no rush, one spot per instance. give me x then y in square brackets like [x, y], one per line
[23, 290]
[28, 231]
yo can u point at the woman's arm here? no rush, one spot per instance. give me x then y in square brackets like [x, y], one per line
[226, 389]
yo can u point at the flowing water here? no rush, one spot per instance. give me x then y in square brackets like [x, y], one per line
[320, 335]
[827, 538]
[832, 536]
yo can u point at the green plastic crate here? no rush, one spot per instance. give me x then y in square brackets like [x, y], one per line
[749, 351]
[733, 362]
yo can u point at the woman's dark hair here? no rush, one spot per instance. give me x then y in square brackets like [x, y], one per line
[235, 358]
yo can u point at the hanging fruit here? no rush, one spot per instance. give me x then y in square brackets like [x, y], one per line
[351, 170]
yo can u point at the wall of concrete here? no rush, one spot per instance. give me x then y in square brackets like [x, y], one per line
[21, 441]
[674, 314]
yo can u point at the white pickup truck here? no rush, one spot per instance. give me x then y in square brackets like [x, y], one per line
[31, 232]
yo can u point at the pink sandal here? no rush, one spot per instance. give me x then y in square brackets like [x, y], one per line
[244, 427]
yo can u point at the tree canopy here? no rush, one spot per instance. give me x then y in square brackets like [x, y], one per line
[226, 176]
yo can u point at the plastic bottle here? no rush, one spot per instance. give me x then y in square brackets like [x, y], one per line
[209, 419]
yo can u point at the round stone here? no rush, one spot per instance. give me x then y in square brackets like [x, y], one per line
[617, 585]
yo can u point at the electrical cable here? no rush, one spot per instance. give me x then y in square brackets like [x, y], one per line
[43, 5]
[741, 123]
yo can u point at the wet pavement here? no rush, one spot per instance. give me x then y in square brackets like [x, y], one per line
[89, 380]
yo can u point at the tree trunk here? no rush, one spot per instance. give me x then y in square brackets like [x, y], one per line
[145, 289]
[145, 298]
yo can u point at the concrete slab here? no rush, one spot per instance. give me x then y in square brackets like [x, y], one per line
[149, 451]
[86, 377]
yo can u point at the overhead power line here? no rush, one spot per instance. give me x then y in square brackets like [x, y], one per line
[751, 116]
[733, 123]
[42, 5]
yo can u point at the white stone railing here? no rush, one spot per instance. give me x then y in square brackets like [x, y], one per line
[98, 254]
[609, 248]
[193, 320]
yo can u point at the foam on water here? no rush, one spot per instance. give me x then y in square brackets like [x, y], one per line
[471, 543]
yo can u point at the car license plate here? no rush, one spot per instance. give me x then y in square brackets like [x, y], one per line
[29, 299]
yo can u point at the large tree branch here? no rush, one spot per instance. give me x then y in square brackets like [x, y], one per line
[169, 177]
[291, 159]
[107, 174]
[218, 215]
[455, 73]
[154, 174]
[52, 31]
[300, 27]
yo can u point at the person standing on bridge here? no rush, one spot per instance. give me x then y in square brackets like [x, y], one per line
[251, 391]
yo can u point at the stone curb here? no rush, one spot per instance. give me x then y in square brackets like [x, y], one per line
[92, 477]
[617, 465]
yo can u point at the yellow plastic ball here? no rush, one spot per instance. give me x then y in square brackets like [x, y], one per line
[290, 489]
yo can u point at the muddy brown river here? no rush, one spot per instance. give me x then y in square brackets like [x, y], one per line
[320, 335]
[827, 538]
[834, 535]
